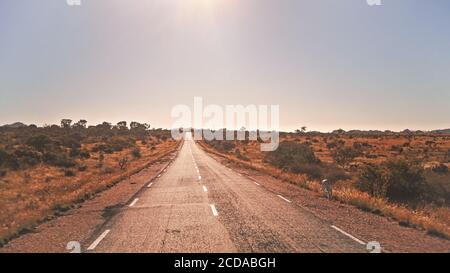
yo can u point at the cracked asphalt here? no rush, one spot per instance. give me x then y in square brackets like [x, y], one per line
[200, 205]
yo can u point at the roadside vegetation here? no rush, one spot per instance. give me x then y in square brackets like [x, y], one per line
[45, 171]
[404, 176]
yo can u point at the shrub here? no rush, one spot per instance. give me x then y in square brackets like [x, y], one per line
[314, 171]
[372, 180]
[117, 144]
[28, 156]
[241, 156]
[136, 152]
[334, 173]
[228, 145]
[440, 168]
[344, 155]
[105, 148]
[39, 142]
[69, 173]
[123, 162]
[58, 159]
[398, 180]
[9, 161]
[107, 170]
[74, 152]
[71, 142]
[291, 155]
[82, 167]
[222, 145]
[397, 148]
[85, 154]
[3, 173]
[331, 145]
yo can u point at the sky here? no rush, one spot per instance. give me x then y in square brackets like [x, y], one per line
[328, 64]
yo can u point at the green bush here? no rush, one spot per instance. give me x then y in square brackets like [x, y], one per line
[312, 170]
[69, 173]
[39, 142]
[344, 155]
[136, 153]
[59, 159]
[223, 146]
[28, 156]
[82, 168]
[398, 180]
[9, 161]
[292, 156]
[74, 152]
[85, 154]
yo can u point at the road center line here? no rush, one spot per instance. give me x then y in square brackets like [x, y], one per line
[149, 185]
[205, 189]
[134, 202]
[287, 200]
[214, 211]
[98, 240]
[348, 235]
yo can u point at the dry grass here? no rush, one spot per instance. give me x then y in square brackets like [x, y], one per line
[435, 221]
[34, 195]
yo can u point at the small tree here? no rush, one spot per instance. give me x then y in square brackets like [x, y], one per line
[82, 123]
[66, 123]
[344, 155]
[123, 162]
[122, 125]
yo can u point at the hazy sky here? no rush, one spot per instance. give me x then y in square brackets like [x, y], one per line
[328, 63]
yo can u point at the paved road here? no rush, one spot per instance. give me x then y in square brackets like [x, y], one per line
[199, 205]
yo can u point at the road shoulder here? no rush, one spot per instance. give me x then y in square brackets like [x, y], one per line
[82, 223]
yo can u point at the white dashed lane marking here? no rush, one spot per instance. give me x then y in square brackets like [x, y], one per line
[98, 240]
[134, 202]
[348, 235]
[287, 200]
[213, 209]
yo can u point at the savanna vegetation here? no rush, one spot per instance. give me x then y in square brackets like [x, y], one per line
[45, 171]
[404, 175]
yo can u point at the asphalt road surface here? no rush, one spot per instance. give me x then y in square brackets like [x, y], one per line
[199, 205]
